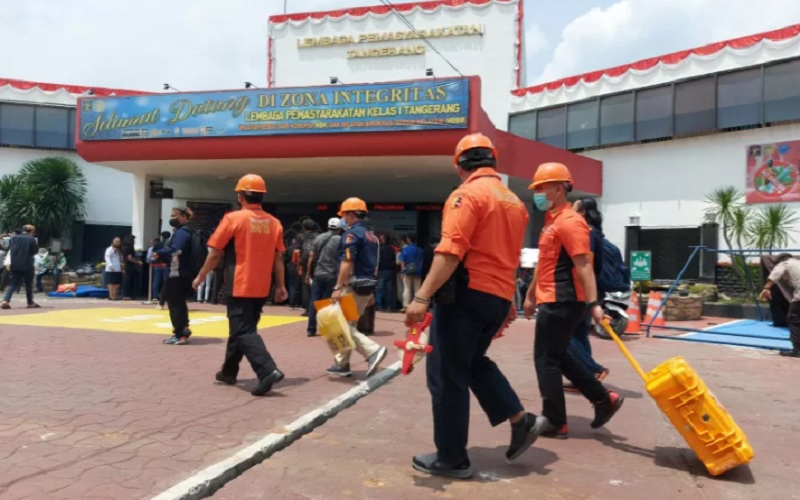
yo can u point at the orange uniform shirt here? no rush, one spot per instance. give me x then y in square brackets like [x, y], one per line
[565, 235]
[250, 237]
[484, 221]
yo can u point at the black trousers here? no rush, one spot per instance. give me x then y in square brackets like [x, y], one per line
[175, 293]
[555, 325]
[17, 279]
[244, 340]
[793, 318]
[460, 335]
[128, 278]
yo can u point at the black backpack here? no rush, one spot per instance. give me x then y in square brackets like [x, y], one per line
[198, 252]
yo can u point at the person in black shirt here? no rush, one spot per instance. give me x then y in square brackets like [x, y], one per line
[130, 264]
[23, 248]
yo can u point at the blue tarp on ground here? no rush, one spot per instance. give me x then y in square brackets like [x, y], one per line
[745, 333]
[82, 291]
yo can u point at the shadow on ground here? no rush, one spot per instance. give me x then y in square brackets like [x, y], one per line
[491, 467]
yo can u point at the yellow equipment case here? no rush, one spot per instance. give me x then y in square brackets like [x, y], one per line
[703, 422]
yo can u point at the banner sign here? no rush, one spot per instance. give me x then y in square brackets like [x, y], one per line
[426, 105]
[772, 172]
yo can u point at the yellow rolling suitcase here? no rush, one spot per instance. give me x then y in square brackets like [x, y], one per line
[703, 422]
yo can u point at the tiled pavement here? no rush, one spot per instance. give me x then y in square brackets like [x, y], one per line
[365, 453]
[95, 414]
[92, 414]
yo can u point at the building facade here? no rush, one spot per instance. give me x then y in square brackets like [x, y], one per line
[37, 120]
[672, 129]
[650, 139]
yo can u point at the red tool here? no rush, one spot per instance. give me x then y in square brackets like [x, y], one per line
[415, 345]
[512, 315]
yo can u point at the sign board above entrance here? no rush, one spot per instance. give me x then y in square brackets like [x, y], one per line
[422, 105]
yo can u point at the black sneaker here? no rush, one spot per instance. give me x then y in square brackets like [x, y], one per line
[524, 434]
[605, 409]
[225, 379]
[341, 371]
[794, 353]
[375, 361]
[430, 464]
[311, 334]
[265, 384]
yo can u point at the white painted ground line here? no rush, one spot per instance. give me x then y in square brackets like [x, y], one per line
[206, 482]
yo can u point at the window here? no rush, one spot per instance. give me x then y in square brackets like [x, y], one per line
[695, 106]
[582, 125]
[551, 126]
[52, 127]
[616, 119]
[739, 99]
[782, 92]
[654, 113]
[71, 129]
[523, 125]
[16, 125]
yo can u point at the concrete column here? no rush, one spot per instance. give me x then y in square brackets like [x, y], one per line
[146, 211]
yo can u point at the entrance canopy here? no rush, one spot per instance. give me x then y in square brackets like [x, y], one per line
[315, 143]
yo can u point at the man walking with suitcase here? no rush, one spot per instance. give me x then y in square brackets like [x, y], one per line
[564, 290]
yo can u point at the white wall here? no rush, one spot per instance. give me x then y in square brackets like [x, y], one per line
[109, 192]
[491, 56]
[666, 183]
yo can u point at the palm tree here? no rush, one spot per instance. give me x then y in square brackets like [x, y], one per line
[772, 226]
[49, 193]
[726, 209]
[723, 205]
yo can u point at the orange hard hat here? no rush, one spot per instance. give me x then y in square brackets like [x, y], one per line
[473, 141]
[252, 183]
[353, 205]
[550, 172]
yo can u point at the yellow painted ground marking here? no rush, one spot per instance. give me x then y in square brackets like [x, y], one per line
[203, 324]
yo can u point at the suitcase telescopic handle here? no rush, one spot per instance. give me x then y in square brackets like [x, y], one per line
[625, 351]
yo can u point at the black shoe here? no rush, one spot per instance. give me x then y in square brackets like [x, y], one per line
[311, 334]
[265, 384]
[430, 464]
[225, 379]
[794, 353]
[524, 434]
[341, 371]
[605, 409]
[305, 313]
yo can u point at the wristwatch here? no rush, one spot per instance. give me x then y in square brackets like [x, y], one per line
[590, 305]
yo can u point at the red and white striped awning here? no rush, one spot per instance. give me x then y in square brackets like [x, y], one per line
[45, 91]
[721, 56]
[378, 11]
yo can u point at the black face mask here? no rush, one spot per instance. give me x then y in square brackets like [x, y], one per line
[174, 222]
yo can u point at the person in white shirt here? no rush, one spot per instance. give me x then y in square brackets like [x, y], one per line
[114, 268]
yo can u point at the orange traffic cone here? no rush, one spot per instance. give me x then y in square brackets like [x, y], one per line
[653, 303]
[634, 316]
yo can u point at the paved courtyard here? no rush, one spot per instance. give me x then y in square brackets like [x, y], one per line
[92, 405]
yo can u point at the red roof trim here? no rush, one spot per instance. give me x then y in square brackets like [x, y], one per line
[671, 59]
[377, 9]
[72, 89]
